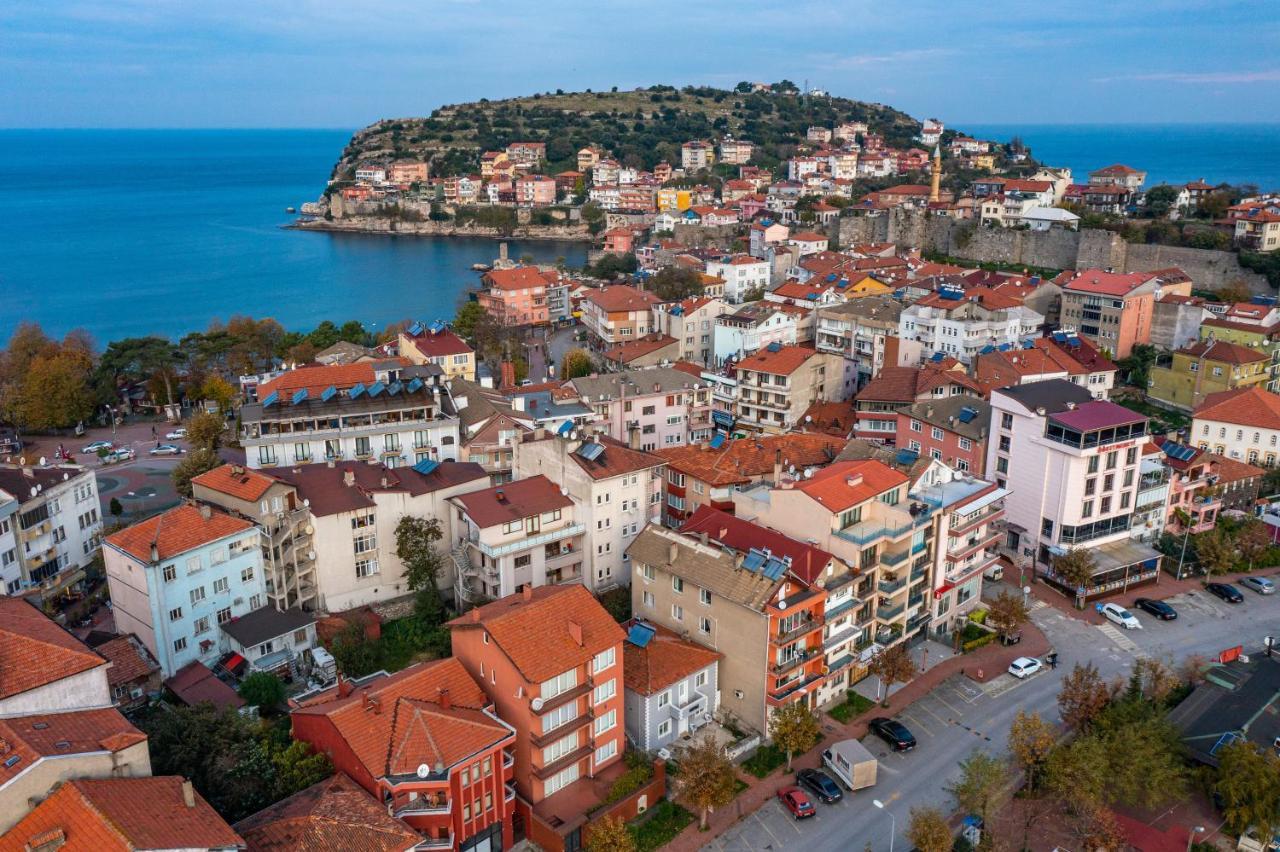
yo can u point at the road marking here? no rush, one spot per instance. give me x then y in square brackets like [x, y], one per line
[943, 722]
[1037, 605]
[1121, 641]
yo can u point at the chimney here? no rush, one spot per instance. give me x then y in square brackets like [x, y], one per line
[724, 533]
[633, 437]
[575, 633]
[188, 794]
[206, 511]
[703, 537]
[500, 495]
[777, 465]
[475, 615]
[539, 433]
[527, 592]
[854, 481]
[237, 470]
[348, 477]
[737, 560]
[155, 552]
[443, 699]
[372, 702]
[344, 686]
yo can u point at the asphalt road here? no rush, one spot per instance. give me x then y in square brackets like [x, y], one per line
[960, 716]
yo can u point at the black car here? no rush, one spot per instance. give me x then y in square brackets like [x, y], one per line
[819, 784]
[894, 733]
[1159, 609]
[1226, 591]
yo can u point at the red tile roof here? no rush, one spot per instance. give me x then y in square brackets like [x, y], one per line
[539, 633]
[618, 298]
[741, 459]
[444, 342]
[783, 362]
[617, 459]
[513, 501]
[809, 237]
[518, 278]
[846, 484]
[335, 813]
[807, 562]
[905, 384]
[1117, 169]
[315, 379]
[235, 481]
[122, 815]
[1251, 406]
[35, 651]
[625, 353]
[176, 531]
[1224, 352]
[129, 660]
[663, 662]
[30, 738]
[984, 296]
[195, 684]
[1107, 283]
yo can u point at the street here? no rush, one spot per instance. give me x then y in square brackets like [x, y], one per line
[960, 716]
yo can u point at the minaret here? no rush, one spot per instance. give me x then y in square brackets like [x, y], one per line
[935, 189]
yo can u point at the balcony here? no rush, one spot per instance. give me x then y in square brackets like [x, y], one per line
[426, 807]
[869, 531]
[508, 759]
[991, 514]
[888, 612]
[509, 791]
[920, 571]
[445, 842]
[565, 697]
[798, 660]
[805, 625]
[961, 573]
[567, 531]
[559, 733]
[892, 585]
[962, 549]
[834, 612]
[839, 581]
[545, 772]
[778, 695]
[894, 558]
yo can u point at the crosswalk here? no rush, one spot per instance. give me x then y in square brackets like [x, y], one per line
[1037, 605]
[1116, 635]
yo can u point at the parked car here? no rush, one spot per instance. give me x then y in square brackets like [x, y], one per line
[93, 448]
[176, 434]
[1117, 614]
[1025, 667]
[820, 784]
[122, 454]
[995, 573]
[1261, 585]
[794, 800]
[1159, 609]
[893, 732]
[1226, 591]
[165, 450]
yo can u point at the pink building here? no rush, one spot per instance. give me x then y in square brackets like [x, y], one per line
[535, 191]
[649, 408]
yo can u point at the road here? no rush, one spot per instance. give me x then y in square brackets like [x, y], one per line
[960, 716]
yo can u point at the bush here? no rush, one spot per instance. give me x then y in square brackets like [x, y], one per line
[978, 616]
[660, 826]
[853, 705]
[633, 779]
[262, 689]
[973, 645]
[766, 759]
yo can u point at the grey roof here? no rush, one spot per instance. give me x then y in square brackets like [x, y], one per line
[341, 404]
[18, 481]
[631, 383]
[265, 623]
[1053, 395]
[858, 449]
[711, 568]
[1235, 697]
[945, 412]
[878, 308]
[482, 403]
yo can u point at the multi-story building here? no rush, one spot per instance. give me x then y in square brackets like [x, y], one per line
[516, 296]
[706, 474]
[1118, 174]
[1150, 507]
[407, 172]
[489, 428]
[960, 323]
[668, 407]
[56, 531]
[177, 577]
[672, 685]
[751, 328]
[427, 742]
[369, 412]
[1113, 309]
[615, 490]
[735, 152]
[617, 314]
[697, 155]
[1258, 229]
[1192, 506]
[692, 323]
[1060, 356]
[876, 406]
[1208, 367]
[436, 344]
[865, 333]
[952, 430]
[1242, 424]
[551, 661]
[535, 191]
[778, 384]
[134, 675]
[1073, 462]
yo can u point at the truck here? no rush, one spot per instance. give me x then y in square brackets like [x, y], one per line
[851, 763]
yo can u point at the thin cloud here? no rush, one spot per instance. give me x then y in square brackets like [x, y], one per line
[891, 58]
[1212, 78]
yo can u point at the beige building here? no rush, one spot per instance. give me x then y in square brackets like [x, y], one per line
[436, 344]
[777, 385]
[692, 324]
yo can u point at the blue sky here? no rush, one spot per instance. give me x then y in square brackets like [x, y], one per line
[344, 63]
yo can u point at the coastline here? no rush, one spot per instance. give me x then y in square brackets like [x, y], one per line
[390, 227]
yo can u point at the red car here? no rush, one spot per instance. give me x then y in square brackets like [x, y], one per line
[794, 800]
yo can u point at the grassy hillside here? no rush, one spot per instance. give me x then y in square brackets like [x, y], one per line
[640, 127]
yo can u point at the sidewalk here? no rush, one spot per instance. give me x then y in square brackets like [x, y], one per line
[981, 665]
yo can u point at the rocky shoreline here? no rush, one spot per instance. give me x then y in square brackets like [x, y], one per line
[399, 227]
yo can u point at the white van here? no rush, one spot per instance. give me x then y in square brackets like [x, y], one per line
[995, 573]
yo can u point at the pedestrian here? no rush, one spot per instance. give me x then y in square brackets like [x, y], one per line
[153, 431]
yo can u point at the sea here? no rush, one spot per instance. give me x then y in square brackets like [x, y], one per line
[136, 232]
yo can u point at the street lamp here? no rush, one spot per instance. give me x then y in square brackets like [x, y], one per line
[893, 823]
[1199, 829]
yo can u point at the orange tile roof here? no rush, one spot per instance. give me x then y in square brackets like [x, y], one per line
[984, 296]
[625, 353]
[41, 735]
[846, 484]
[617, 459]
[336, 813]
[236, 481]
[809, 237]
[619, 298]
[535, 632]
[517, 278]
[35, 651]
[176, 531]
[316, 379]
[743, 458]
[807, 561]
[122, 815]
[783, 362]
[129, 660]
[1251, 406]
[1107, 283]
[664, 662]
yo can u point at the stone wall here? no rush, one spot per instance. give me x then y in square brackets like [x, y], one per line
[704, 236]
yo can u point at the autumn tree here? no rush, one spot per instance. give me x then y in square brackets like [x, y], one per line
[676, 282]
[1249, 784]
[1076, 567]
[1084, 695]
[199, 460]
[205, 431]
[1031, 740]
[1152, 680]
[1215, 551]
[892, 665]
[794, 729]
[218, 390]
[609, 835]
[706, 779]
[981, 786]
[1253, 541]
[1007, 613]
[55, 392]
[929, 831]
[416, 540]
[576, 363]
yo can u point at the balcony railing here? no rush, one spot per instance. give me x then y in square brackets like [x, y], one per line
[425, 807]
[892, 586]
[886, 612]
[806, 625]
[445, 842]
[789, 664]
[531, 542]
[869, 531]
[894, 558]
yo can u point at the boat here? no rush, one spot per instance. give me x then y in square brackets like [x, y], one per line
[481, 267]
[291, 209]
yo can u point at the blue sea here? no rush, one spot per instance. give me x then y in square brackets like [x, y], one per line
[161, 231]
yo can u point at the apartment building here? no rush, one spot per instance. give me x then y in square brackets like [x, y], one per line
[672, 686]
[864, 332]
[952, 430]
[436, 344]
[1207, 367]
[1118, 174]
[735, 152]
[427, 743]
[876, 406]
[778, 384]
[55, 531]
[1258, 229]
[616, 314]
[516, 296]
[707, 473]
[489, 428]
[1073, 462]
[551, 661]
[177, 577]
[751, 328]
[1241, 424]
[1061, 356]
[960, 323]
[1151, 506]
[742, 274]
[1113, 309]
[691, 323]
[668, 407]
[616, 490]
[697, 155]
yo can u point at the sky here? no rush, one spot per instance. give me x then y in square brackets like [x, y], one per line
[345, 63]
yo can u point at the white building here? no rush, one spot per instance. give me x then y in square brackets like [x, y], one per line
[672, 686]
[1243, 424]
[55, 532]
[751, 328]
[960, 323]
[742, 274]
[10, 567]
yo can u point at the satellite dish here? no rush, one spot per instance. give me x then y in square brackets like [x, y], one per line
[536, 704]
[42, 461]
[424, 771]
[35, 491]
[309, 529]
[306, 501]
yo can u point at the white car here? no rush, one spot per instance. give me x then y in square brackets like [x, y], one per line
[165, 450]
[122, 454]
[92, 449]
[1117, 614]
[177, 434]
[1024, 667]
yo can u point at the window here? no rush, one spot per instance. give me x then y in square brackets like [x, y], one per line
[607, 722]
[221, 586]
[560, 748]
[170, 573]
[916, 426]
[1002, 464]
[175, 613]
[562, 715]
[935, 433]
[513, 526]
[1105, 505]
[1093, 464]
[560, 780]
[677, 584]
[646, 571]
[193, 564]
[246, 576]
[664, 728]
[255, 602]
[1086, 510]
[704, 597]
[704, 625]
[558, 684]
[606, 751]
[664, 698]
[202, 625]
[603, 660]
[224, 615]
[604, 691]
[365, 542]
[197, 595]
[700, 679]
[1131, 455]
[179, 644]
[966, 444]
[366, 567]
[523, 560]
[677, 612]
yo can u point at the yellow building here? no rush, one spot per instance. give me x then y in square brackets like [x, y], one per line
[984, 161]
[674, 199]
[1207, 367]
[862, 284]
[440, 346]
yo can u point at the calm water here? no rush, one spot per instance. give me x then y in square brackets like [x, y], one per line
[1170, 153]
[139, 232]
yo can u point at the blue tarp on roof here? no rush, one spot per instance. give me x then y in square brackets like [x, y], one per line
[1059, 337]
[1004, 347]
[299, 395]
[774, 347]
[986, 350]
[328, 393]
[272, 399]
[967, 414]
[641, 634]
[907, 457]
[357, 390]
[938, 357]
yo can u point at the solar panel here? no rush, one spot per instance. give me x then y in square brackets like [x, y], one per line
[437, 326]
[591, 450]
[938, 357]
[356, 391]
[717, 440]
[812, 297]
[640, 635]
[907, 457]
[754, 560]
[1073, 341]
[426, 466]
[774, 347]
[1059, 337]
[774, 568]
[967, 414]
[299, 396]
[272, 399]
[415, 329]
[394, 388]
[1004, 347]
[376, 388]
[328, 393]
[986, 350]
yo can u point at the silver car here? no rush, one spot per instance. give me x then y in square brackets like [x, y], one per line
[1261, 585]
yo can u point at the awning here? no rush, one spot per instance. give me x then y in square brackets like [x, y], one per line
[1121, 553]
[981, 502]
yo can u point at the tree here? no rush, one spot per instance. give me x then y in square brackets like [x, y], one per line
[1253, 541]
[219, 390]
[794, 729]
[892, 665]
[1076, 774]
[115, 508]
[205, 431]
[1160, 199]
[928, 830]
[196, 462]
[1233, 291]
[1031, 740]
[138, 359]
[1138, 365]
[1215, 551]
[706, 779]
[1249, 784]
[55, 393]
[576, 363]
[981, 786]
[262, 689]
[676, 282]
[298, 766]
[1007, 613]
[1083, 696]
[610, 835]
[416, 547]
[1076, 567]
